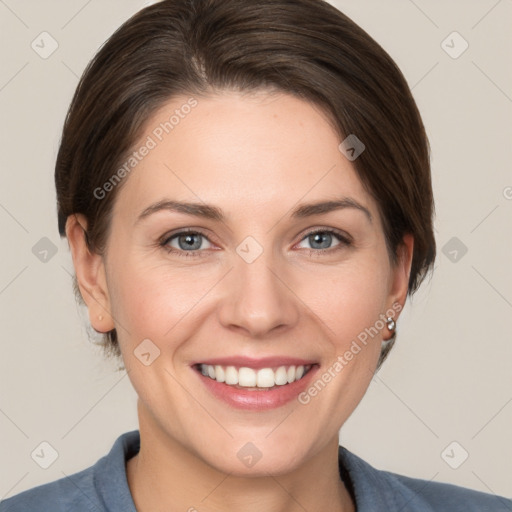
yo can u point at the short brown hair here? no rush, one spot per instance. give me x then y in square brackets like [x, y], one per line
[305, 48]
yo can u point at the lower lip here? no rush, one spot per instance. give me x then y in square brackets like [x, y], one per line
[257, 400]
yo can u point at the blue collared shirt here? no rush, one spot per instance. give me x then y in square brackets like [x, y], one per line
[104, 488]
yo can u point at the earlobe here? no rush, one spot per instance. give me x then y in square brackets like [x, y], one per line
[90, 274]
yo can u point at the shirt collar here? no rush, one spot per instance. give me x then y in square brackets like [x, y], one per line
[377, 491]
[110, 474]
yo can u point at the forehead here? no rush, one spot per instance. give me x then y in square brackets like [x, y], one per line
[240, 151]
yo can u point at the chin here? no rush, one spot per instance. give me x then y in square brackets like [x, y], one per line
[258, 457]
[255, 464]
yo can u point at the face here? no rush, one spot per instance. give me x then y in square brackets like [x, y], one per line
[243, 246]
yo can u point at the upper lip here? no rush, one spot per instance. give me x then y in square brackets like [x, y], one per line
[256, 363]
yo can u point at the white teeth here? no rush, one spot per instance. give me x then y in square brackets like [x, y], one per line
[231, 375]
[250, 378]
[246, 377]
[291, 374]
[220, 375]
[281, 376]
[265, 378]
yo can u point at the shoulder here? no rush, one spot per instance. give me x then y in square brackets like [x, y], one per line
[377, 490]
[101, 487]
[451, 498]
[74, 492]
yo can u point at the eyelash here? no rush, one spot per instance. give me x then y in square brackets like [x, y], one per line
[344, 240]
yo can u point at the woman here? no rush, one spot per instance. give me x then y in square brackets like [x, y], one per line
[245, 188]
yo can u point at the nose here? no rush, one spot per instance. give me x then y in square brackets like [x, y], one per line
[257, 298]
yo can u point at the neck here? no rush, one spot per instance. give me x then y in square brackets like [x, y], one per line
[166, 476]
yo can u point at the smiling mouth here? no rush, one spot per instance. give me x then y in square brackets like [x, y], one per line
[249, 379]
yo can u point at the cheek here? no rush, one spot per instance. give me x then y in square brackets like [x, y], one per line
[151, 301]
[349, 299]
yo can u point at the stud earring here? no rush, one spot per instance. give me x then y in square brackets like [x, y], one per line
[391, 324]
[100, 317]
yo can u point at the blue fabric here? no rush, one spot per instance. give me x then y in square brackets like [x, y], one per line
[104, 488]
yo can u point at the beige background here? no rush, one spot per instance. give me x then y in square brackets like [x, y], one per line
[449, 377]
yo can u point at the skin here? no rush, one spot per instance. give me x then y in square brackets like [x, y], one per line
[257, 157]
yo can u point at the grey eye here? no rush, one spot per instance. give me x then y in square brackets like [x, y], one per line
[187, 241]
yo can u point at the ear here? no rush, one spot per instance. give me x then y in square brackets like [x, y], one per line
[90, 274]
[400, 273]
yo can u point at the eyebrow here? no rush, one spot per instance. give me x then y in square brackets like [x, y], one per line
[213, 213]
